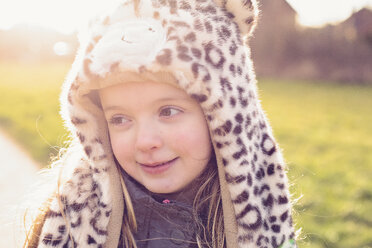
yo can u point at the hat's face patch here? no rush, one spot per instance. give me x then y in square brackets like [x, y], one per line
[137, 41]
[158, 134]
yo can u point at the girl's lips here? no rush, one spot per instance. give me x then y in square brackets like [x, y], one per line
[158, 168]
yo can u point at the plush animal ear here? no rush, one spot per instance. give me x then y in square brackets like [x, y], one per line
[245, 13]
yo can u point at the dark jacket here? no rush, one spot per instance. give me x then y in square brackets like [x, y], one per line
[160, 224]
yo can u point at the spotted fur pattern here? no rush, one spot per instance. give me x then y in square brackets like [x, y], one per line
[204, 48]
[85, 212]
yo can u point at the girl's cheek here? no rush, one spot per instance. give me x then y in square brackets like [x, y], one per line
[192, 138]
[121, 146]
[178, 134]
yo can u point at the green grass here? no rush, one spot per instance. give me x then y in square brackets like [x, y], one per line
[325, 132]
[29, 107]
[323, 128]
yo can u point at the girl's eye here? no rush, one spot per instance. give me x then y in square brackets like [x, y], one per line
[169, 111]
[118, 120]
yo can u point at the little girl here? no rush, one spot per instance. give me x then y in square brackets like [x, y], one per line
[171, 147]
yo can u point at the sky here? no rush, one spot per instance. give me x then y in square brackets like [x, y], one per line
[316, 13]
[66, 16]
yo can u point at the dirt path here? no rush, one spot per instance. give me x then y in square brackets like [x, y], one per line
[17, 173]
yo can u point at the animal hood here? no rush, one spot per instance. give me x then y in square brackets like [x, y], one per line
[201, 47]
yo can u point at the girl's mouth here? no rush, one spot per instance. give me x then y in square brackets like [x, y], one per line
[158, 168]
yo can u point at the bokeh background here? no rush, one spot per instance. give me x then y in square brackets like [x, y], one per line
[313, 61]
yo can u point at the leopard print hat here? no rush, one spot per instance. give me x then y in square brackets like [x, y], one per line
[199, 46]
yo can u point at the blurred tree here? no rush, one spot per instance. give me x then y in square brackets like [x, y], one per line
[282, 48]
[274, 37]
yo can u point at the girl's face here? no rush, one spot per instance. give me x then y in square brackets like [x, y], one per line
[158, 134]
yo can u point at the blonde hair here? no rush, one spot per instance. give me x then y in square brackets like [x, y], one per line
[208, 198]
[33, 232]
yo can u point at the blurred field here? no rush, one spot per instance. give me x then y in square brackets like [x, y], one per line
[324, 130]
[29, 107]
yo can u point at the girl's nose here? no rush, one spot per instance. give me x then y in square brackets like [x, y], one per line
[148, 138]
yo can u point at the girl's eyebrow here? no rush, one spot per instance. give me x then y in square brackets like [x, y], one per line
[113, 107]
[164, 99]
